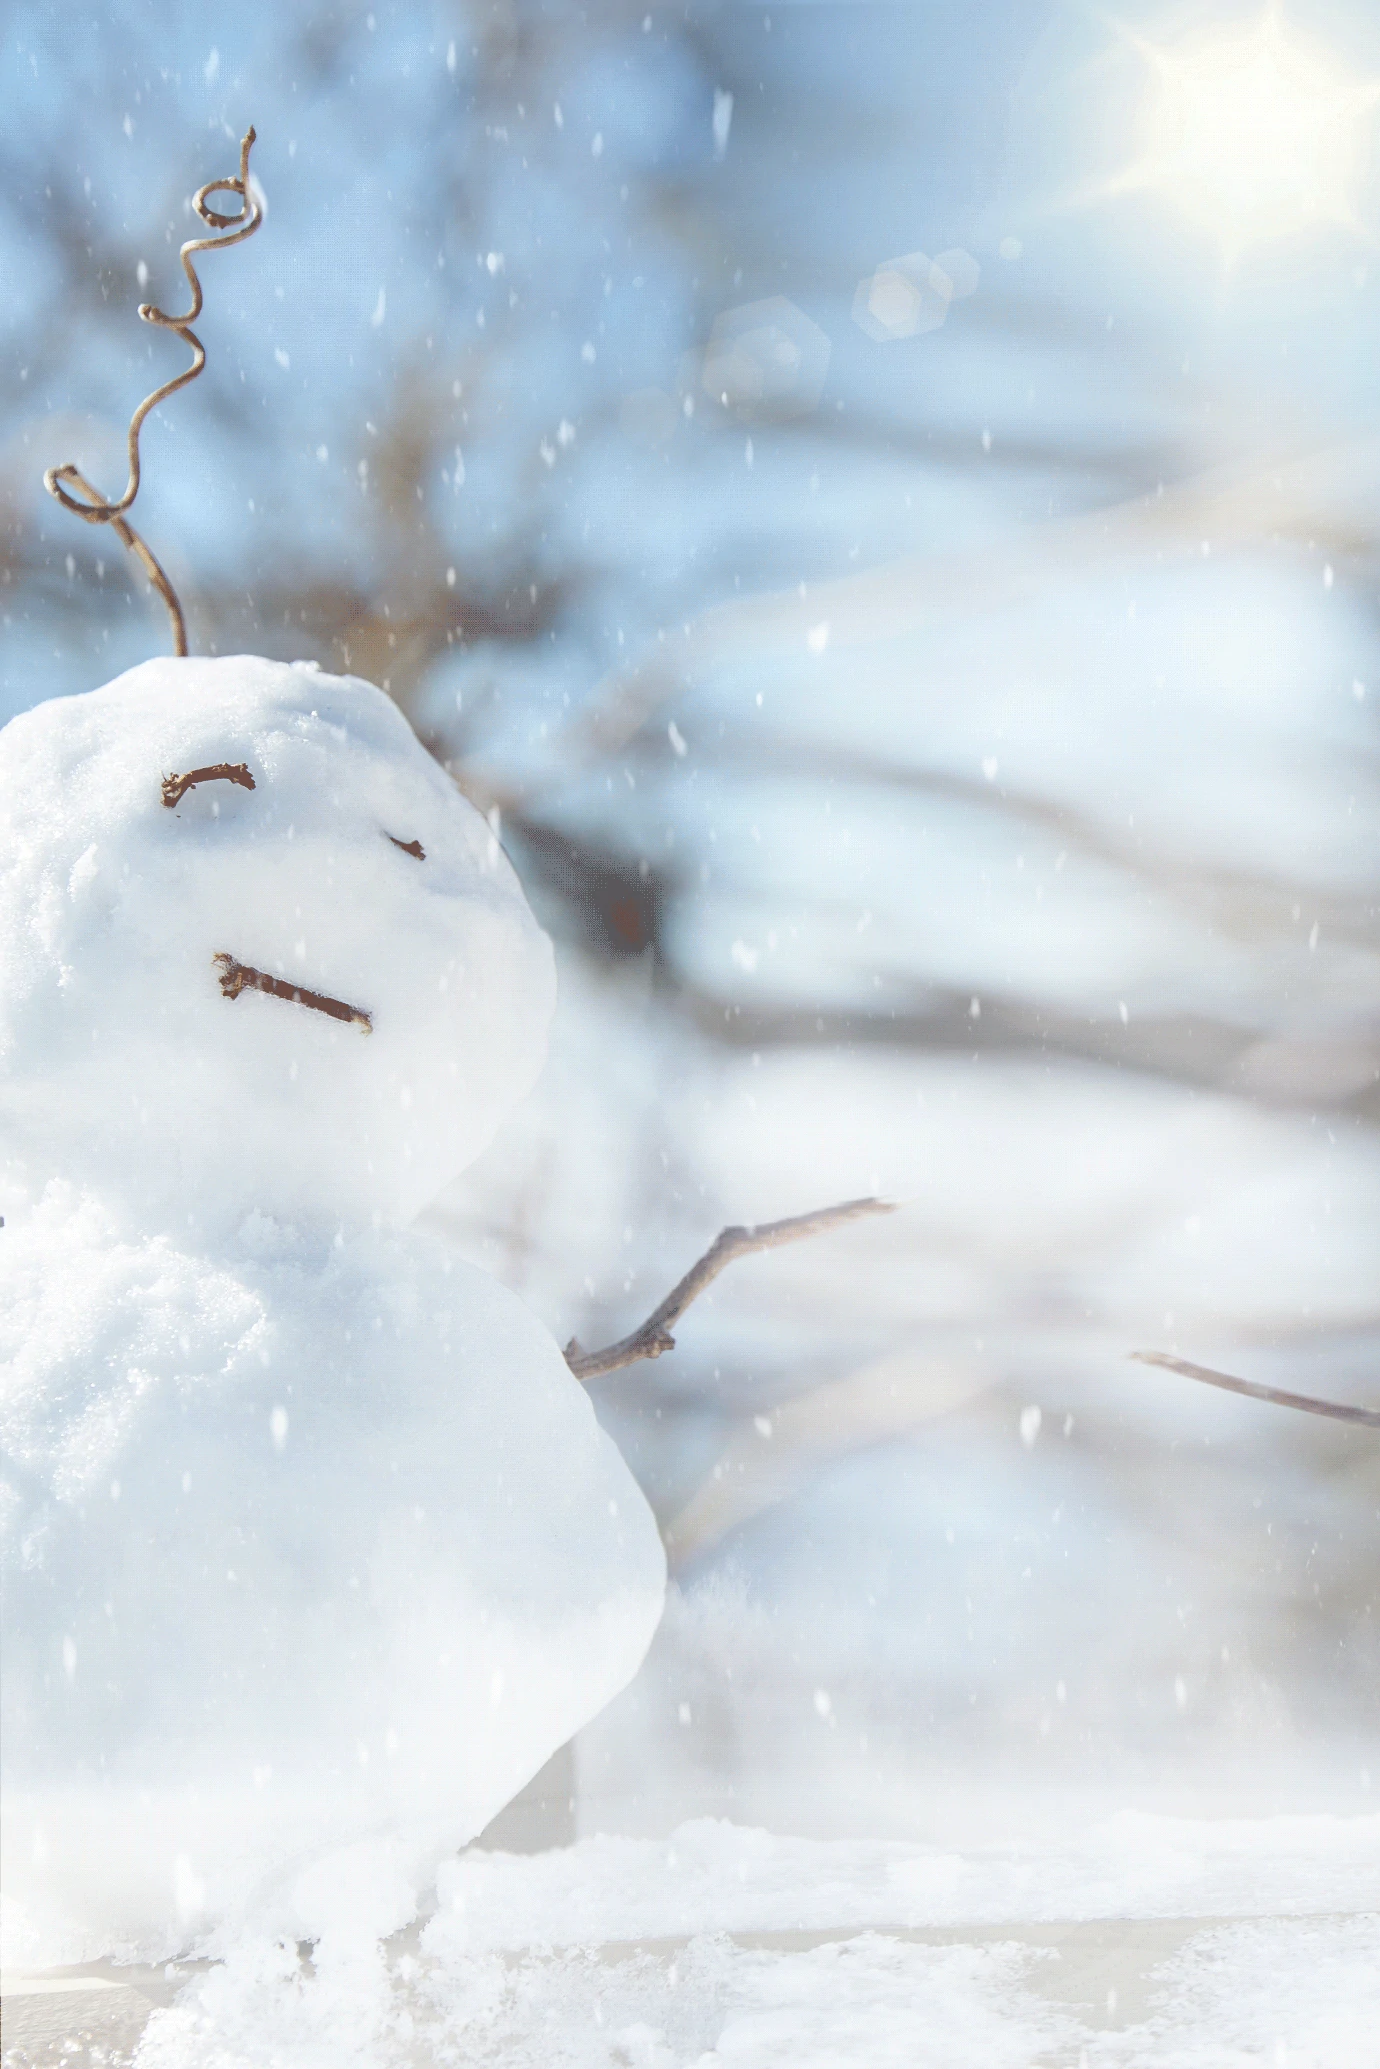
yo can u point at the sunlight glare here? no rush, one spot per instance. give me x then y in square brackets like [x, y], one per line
[1255, 132]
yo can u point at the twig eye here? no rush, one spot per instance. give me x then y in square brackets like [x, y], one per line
[409, 847]
[175, 788]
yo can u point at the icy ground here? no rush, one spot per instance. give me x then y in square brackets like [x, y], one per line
[1177, 1943]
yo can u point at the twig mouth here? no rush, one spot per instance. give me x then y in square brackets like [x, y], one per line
[236, 977]
[175, 788]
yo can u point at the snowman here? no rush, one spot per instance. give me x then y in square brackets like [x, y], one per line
[313, 1550]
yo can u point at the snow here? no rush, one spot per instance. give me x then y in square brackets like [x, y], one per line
[313, 1549]
[710, 1875]
[114, 1033]
[1177, 1943]
[228, 1657]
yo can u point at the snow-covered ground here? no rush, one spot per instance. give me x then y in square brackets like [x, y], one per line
[1146, 1942]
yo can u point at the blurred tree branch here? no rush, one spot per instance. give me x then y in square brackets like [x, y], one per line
[1338, 1411]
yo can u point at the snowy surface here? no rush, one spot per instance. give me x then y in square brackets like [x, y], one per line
[1148, 1943]
[313, 1548]
[304, 1552]
[123, 1063]
[710, 1875]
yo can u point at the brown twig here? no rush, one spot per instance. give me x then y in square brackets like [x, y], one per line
[1339, 1411]
[655, 1336]
[236, 977]
[126, 534]
[90, 505]
[409, 847]
[175, 788]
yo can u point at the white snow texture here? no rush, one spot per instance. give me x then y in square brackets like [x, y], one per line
[313, 1551]
[122, 1062]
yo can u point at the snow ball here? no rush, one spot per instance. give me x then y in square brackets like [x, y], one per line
[214, 1677]
[229, 890]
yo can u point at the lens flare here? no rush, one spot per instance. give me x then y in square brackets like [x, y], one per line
[1256, 133]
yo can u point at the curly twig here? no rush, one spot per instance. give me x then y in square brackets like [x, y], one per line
[1339, 1411]
[94, 509]
[655, 1336]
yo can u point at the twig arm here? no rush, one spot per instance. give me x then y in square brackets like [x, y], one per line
[654, 1336]
[1339, 1411]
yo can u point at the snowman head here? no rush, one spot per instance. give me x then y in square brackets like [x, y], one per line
[256, 951]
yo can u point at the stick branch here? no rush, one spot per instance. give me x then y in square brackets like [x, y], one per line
[175, 788]
[126, 534]
[655, 1336]
[236, 977]
[89, 504]
[1339, 1411]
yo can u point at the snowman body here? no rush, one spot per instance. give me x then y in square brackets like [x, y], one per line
[313, 1550]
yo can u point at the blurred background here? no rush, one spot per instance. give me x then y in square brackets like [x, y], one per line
[880, 503]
